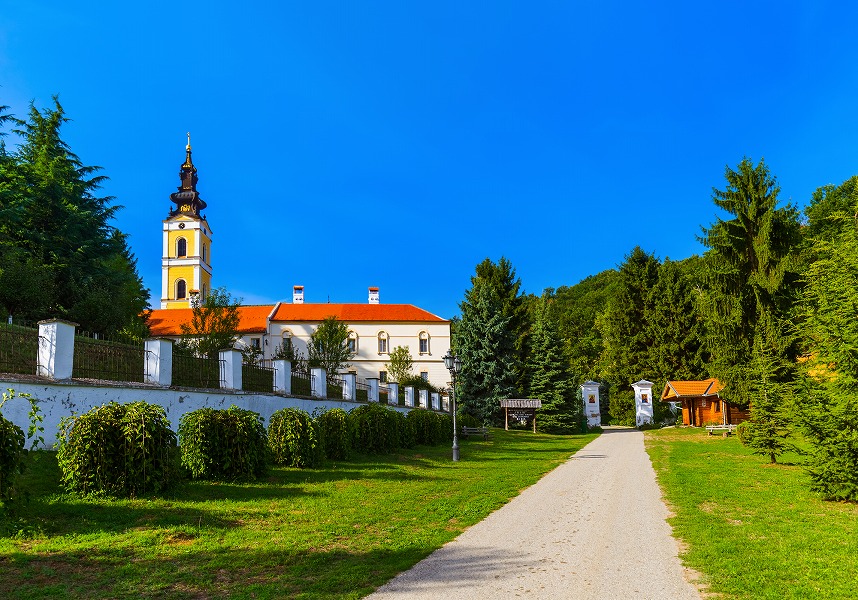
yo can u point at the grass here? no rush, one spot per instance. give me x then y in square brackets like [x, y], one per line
[336, 532]
[752, 529]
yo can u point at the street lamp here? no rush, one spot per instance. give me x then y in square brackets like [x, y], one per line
[454, 365]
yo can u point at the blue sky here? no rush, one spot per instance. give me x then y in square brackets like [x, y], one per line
[342, 145]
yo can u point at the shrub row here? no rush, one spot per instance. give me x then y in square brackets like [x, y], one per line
[128, 449]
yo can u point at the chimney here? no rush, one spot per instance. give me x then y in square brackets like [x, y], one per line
[298, 294]
[373, 295]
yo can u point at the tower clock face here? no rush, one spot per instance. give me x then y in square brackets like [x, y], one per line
[181, 225]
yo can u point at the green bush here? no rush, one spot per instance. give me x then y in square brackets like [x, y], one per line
[334, 426]
[122, 450]
[467, 420]
[427, 427]
[294, 439]
[375, 429]
[228, 445]
[407, 432]
[11, 457]
[446, 426]
[743, 432]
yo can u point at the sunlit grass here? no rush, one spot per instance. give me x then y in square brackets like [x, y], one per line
[336, 532]
[754, 530]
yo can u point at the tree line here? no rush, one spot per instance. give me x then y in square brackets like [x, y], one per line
[770, 309]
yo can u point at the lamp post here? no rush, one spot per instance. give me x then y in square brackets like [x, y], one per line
[454, 365]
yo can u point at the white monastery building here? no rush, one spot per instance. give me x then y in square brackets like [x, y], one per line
[375, 329]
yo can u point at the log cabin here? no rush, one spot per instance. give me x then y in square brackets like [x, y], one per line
[702, 404]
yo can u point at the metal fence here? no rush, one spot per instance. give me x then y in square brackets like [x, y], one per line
[106, 359]
[361, 390]
[302, 384]
[335, 387]
[383, 394]
[257, 378]
[192, 371]
[19, 348]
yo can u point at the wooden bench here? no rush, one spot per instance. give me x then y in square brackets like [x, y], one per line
[483, 431]
[727, 429]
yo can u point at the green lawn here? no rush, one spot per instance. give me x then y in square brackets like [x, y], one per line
[753, 529]
[336, 532]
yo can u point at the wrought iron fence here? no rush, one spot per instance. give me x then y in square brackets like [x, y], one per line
[192, 371]
[383, 394]
[401, 399]
[257, 378]
[302, 384]
[361, 390]
[335, 387]
[96, 358]
[19, 348]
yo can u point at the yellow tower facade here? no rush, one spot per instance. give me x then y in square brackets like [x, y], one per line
[186, 270]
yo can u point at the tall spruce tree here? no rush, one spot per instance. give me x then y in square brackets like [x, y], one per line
[56, 236]
[485, 342]
[551, 377]
[751, 274]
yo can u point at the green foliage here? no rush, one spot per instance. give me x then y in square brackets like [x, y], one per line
[328, 347]
[400, 364]
[337, 437]
[427, 427]
[213, 326]
[122, 450]
[228, 445]
[375, 429]
[743, 433]
[12, 455]
[60, 256]
[485, 340]
[294, 439]
[622, 407]
[407, 430]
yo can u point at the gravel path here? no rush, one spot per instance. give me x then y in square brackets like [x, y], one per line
[592, 528]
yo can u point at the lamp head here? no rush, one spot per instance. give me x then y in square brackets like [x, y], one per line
[449, 360]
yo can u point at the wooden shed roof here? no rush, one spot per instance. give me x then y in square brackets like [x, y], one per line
[676, 390]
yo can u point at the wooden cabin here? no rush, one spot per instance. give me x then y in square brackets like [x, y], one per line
[701, 404]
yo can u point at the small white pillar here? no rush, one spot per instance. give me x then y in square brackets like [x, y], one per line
[349, 387]
[590, 396]
[159, 362]
[436, 401]
[320, 383]
[372, 394]
[409, 396]
[393, 393]
[282, 377]
[230, 369]
[643, 402]
[56, 349]
[423, 398]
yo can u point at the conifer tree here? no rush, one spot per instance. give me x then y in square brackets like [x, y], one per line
[552, 380]
[486, 344]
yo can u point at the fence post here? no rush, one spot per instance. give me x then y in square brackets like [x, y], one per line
[230, 369]
[393, 393]
[372, 394]
[159, 362]
[409, 395]
[349, 386]
[424, 398]
[320, 383]
[436, 401]
[282, 377]
[56, 349]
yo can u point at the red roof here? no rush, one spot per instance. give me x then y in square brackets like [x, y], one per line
[352, 313]
[168, 321]
[685, 389]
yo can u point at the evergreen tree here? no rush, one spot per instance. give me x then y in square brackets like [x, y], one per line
[552, 380]
[750, 272]
[486, 344]
[56, 236]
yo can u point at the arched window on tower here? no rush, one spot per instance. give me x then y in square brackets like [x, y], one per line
[181, 247]
[205, 258]
[181, 289]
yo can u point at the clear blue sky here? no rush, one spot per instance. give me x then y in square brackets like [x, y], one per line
[396, 144]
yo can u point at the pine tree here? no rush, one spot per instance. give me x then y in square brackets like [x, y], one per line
[486, 345]
[552, 380]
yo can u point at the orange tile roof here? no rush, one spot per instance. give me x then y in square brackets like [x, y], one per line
[168, 321]
[351, 313]
[681, 389]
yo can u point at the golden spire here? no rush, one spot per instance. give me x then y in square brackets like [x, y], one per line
[188, 147]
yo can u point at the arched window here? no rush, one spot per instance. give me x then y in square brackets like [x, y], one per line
[286, 343]
[204, 293]
[181, 289]
[204, 252]
[424, 342]
[382, 342]
[352, 342]
[181, 247]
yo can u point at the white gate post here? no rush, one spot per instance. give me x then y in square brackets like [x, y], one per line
[159, 362]
[643, 402]
[590, 397]
[282, 377]
[56, 349]
[372, 395]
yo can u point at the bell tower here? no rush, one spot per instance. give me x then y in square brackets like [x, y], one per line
[186, 270]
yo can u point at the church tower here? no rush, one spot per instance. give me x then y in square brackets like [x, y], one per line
[186, 270]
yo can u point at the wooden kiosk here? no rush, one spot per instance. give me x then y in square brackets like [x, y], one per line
[522, 409]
